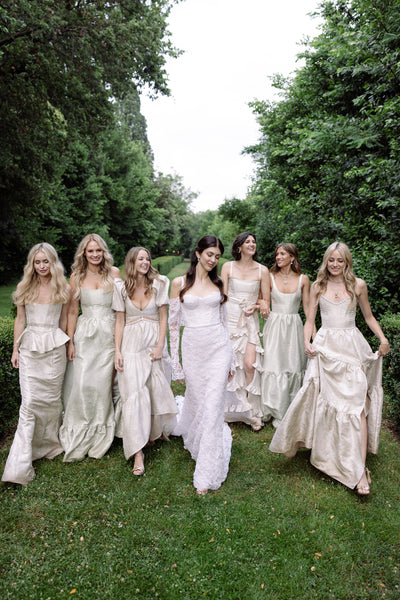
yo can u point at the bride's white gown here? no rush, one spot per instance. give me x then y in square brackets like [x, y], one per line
[206, 359]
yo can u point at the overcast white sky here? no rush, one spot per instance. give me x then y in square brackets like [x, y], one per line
[231, 48]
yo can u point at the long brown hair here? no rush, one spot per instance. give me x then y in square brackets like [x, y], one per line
[208, 241]
[294, 253]
[130, 274]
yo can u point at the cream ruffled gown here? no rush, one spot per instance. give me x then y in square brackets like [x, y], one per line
[284, 358]
[148, 404]
[88, 424]
[244, 404]
[206, 358]
[42, 361]
[342, 381]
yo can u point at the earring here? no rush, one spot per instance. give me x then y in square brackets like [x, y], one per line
[239, 250]
[291, 262]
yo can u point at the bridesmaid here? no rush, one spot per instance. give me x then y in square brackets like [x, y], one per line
[245, 282]
[197, 303]
[141, 356]
[284, 359]
[337, 412]
[39, 352]
[88, 425]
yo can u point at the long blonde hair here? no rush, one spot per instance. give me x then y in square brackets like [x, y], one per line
[130, 272]
[28, 288]
[349, 277]
[80, 264]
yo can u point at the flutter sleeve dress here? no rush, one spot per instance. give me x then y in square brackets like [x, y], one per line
[342, 381]
[244, 404]
[42, 362]
[284, 358]
[206, 360]
[88, 424]
[148, 404]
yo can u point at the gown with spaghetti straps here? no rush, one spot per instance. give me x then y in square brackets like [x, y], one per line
[342, 381]
[88, 424]
[42, 362]
[244, 404]
[206, 359]
[147, 402]
[284, 358]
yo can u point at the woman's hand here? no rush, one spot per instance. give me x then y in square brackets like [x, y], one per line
[384, 348]
[70, 350]
[156, 353]
[118, 361]
[249, 310]
[264, 308]
[230, 375]
[310, 350]
[15, 358]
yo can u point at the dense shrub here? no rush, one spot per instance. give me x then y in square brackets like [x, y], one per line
[164, 264]
[9, 384]
[391, 370]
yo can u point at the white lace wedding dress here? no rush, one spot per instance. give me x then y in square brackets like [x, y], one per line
[206, 359]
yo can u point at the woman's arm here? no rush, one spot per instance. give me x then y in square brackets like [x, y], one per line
[19, 326]
[362, 297]
[174, 329]
[72, 317]
[62, 323]
[309, 326]
[119, 330]
[225, 276]
[264, 302]
[158, 350]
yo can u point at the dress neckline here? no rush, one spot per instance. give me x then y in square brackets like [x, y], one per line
[201, 297]
[141, 309]
[246, 280]
[286, 293]
[333, 302]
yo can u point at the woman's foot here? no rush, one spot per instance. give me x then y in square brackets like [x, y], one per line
[138, 467]
[362, 487]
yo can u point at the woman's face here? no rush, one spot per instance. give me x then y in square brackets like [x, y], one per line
[282, 258]
[41, 264]
[142, 262]
[94, 254]
[209, 258]
[336, 263]
[249, 246]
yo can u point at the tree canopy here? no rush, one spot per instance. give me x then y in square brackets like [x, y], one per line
[327, 161]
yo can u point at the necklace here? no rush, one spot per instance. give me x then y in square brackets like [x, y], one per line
[337, 295]
[285, 277]
[93, 272]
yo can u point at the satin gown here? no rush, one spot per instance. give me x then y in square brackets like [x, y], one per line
[206, 361]
[148, 404]
[342, 381]
[244, 404]
[88, 424]
[284, 358]
[42, 362]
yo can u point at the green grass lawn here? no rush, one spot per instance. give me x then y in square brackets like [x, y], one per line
[277, 529]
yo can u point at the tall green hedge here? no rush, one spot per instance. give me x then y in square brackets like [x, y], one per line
[10, 397]
[164, 264]
[391, 367]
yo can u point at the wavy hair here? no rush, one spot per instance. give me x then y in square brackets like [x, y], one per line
[349, 277]
[294, 253]
[28, 288]
[239, 241]
[208, 241]
[130, 273]
[80, 264]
